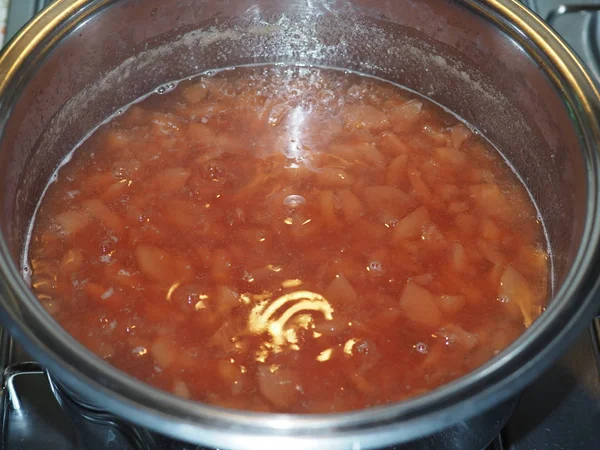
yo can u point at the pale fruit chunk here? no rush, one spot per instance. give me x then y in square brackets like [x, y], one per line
[531, 260]
[467, 223]
[163, 352]
[183, 214]
[451, 304]
[420, 189]
[372, 156]
[458, 207]
[277, 114]
[516, 293]
[490, 198]
[195, 93]
[387, 200]
[221, 266]
[459, 134]
[448, 155]
[231, 374]
[439, 136]
[359, 117]
[116, 139]
[164, 124]
[227, 299]
[447, 192]
[420, 306]
[100, 211]
[279, 386]
[455, 334]
[228, 143]
[171, 180]
[362, 384]
[459, 260]
[122, 277]
[99, 182]
[92, 290]
[256, 183]
[405, 116]
[351, 206]
[203, 135]
[495, 274]
[71, 222]
[489, 230]
[490, 252]
[153, 261]
[411, 226]
[160, 265]
[126, 169]
[396, 171]
[181, 389]
[433, 238]
[345, 154]
[340, 290]
[423, 279]
[223, 337]
[390, 144]
[333, 177]
[327, 204]
[114, 190]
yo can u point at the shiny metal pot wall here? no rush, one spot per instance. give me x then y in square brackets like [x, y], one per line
[491, 61]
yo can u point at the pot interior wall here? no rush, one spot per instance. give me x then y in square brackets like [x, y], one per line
[438, 48]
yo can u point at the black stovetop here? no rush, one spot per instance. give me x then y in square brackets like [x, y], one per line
[561, 410]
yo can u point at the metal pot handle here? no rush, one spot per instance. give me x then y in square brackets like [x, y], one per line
[18, 369]
[82, 419]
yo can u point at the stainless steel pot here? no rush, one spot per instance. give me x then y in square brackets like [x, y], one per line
[493, 62]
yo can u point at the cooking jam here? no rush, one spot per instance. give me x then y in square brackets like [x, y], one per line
[289, 239]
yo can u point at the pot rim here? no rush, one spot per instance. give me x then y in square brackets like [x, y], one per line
[92, 378]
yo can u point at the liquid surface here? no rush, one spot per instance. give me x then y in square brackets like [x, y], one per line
[289, 239]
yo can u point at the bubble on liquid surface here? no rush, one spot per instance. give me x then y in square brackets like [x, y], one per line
[421, 348]
[165, 88]
[294, 201]
[503, 298]
[376, 267]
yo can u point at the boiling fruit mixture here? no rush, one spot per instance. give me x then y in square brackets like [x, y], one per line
[289, 239]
